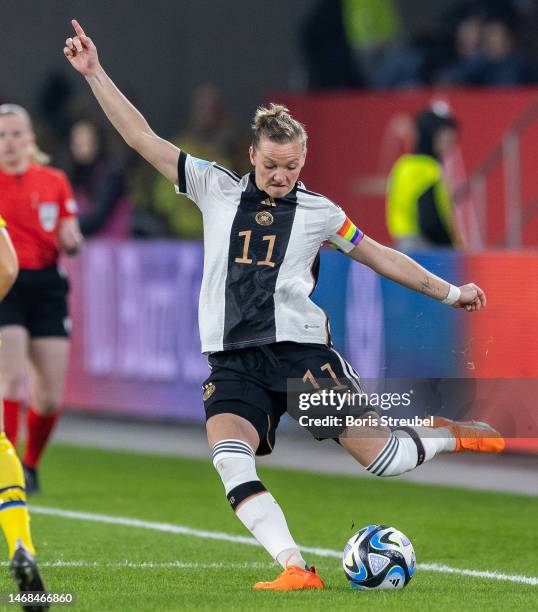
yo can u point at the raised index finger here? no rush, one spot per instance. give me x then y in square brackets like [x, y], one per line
[78, 27]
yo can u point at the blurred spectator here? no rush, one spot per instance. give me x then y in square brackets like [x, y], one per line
[407, 65]
[371, 26]
[488, 49]
[55, 115]
[419, 205]
[97, 177]
[460, 39]
[357, 43]
[210, 134]
[330, 61]
[468, 35]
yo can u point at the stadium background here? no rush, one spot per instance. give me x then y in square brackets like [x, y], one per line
[353, 139]
[247, 48]
[134, 303]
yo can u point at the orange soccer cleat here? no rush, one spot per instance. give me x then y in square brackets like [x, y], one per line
[472, 435]
[293, 578]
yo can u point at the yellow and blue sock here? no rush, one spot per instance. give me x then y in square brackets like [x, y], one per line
[14, 516]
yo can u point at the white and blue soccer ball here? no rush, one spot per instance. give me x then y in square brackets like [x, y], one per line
[379, 557]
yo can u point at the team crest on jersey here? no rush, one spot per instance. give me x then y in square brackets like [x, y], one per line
[264, 218]
[48, 215]
[209, 389]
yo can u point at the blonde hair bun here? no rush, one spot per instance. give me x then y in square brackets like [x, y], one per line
[277, 124]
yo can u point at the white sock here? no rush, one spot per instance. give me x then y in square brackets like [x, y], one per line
[446, 436]
[263, 517]
[259, 511]
[291, 556]
[401, 452]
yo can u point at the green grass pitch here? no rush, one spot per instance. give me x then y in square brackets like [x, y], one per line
[118, 567]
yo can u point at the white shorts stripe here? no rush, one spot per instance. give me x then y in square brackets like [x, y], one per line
[349, 372]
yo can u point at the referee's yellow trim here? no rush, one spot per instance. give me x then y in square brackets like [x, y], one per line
[2, 223]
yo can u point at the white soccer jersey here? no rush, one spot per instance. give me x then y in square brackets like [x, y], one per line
[261, 257]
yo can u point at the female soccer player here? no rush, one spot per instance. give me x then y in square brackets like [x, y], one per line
[37, 203]
[14, 518]
[262, 235]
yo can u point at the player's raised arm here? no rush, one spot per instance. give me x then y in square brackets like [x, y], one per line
[402, 269]
[9, 265]
[134, 129]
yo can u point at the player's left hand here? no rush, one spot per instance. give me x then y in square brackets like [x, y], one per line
[471, 298]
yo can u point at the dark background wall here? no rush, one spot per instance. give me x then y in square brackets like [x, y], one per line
[158, 50]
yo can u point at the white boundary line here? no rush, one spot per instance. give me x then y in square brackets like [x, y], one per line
[60, 563]
[227, 537]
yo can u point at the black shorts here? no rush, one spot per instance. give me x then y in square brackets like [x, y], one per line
[254, 383]
[38, 302]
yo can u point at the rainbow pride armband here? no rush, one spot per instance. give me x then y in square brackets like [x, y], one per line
[347, 237]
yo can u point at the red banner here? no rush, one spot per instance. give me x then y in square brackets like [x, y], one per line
[355, 138]
[503, 339]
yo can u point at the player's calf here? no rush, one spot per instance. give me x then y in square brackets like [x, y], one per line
[390, 453]
[255, 507]
[14, 518]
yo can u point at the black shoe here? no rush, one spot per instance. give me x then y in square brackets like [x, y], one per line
[26, 574]
[31, 480]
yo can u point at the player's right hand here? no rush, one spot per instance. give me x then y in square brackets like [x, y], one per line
[81, 52]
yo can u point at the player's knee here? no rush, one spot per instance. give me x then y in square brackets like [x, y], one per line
[44, 406]
[231, 427]
[235, 462]
[14, 383]
[48, 399]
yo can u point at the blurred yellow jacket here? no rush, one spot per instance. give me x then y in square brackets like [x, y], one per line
[419, 202]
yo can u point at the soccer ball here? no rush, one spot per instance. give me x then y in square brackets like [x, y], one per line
[379, 557]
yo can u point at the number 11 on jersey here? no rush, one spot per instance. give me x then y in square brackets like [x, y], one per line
[245, 259]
